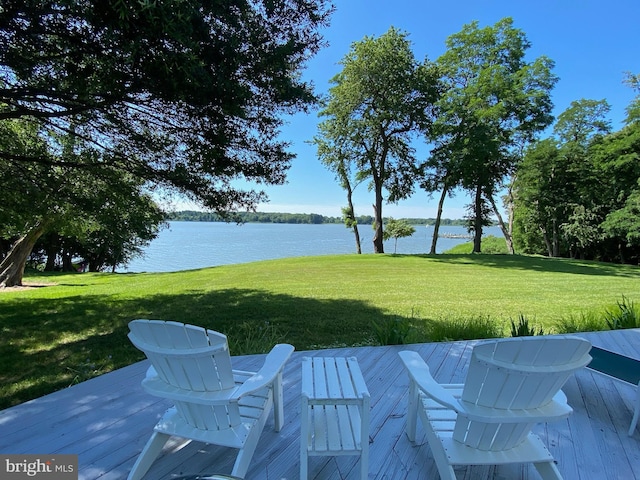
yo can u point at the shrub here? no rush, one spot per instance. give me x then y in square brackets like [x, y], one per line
[392, 330]
[448, 329]
[623, 315]
[522, 329]
[490, 245]
[585, 322]
[249, 338]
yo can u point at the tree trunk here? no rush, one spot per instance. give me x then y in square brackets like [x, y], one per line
[436, 227]
[503, 227]
[510, 212]
[378, 236]
[356, 232]
[545, 237]
[378, 241]
[477, 239]
[67, 264]
[379, 175]
[556, 239]
[12, 266]
[52, 253]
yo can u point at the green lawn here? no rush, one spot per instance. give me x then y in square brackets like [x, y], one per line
[57, 335]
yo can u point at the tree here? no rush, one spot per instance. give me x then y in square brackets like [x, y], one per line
[633, 110]
[184, 95]
[377, 104]
[338, 157]
[397, 229]
[559, 189]
[26, 189]
[617, 160]
[102, 218]
[493, 103]
[540, 206]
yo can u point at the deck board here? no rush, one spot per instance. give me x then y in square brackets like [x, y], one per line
[107, 420]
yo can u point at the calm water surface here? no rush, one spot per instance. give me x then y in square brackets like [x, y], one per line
[190, 245]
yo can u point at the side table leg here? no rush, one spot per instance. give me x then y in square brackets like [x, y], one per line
[304, 438]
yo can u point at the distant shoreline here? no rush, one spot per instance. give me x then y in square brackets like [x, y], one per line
[293, 218]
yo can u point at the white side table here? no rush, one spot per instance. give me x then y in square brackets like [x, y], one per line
[335, 411]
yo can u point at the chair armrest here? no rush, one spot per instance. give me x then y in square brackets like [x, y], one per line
[272, 367]
[419, 373]
[556, 409]
[154, 385]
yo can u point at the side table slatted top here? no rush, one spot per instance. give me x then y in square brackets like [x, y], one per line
[335, 410]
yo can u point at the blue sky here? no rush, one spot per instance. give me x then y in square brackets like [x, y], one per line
[592, 42]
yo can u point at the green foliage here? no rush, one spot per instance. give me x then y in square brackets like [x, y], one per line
[493, 103]
[591, 321]
[397, 229]
[523, 329]
[491, 245]
[249, 338]
[576, 195]
[633, 110]
[623, 315]
[392, 330]
[467, 328]
[380, 99]
[188, 95]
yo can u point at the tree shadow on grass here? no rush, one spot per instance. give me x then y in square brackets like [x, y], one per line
[541, 264]
[68, 340]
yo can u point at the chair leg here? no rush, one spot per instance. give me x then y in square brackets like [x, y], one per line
[412, 411]
[636, 412]
[304, 463]
[149, 453]
[278, 407]
[548, 470]
[245, 454]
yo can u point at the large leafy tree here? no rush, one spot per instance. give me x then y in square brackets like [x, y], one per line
[559, 192]
[495, 102]
[338, 156]
[188, 94]
[181, 94]
[100, 217]
[617, 160]
[380, 100]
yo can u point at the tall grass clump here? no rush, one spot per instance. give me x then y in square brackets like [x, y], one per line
[623, 315]
[469, 328]
[523, 329]
[391, 331]
[249, 338]
[584, 322]
[398, 330]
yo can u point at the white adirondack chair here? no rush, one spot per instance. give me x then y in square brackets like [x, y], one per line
[511, 385]
[213, 403]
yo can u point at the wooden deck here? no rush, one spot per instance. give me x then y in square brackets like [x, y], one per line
[107, 420]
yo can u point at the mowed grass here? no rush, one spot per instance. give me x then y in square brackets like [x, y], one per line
[75, 327]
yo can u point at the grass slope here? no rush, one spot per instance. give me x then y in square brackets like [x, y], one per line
[58, 335]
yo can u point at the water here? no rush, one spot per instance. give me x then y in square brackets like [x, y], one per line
[190, 245]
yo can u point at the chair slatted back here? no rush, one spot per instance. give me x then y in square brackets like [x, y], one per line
[193, 359]
[516, 374]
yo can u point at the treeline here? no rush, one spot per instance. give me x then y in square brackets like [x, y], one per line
[304, 218]
[577, 193]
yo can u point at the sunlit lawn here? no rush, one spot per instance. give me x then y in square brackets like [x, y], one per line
[57, 335]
